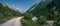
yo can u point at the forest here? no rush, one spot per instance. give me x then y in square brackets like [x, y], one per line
[48, 10]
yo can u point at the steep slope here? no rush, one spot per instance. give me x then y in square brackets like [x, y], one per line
[39, 7]
[49, 10]
[7, 13]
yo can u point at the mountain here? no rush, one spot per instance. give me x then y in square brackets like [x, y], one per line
[39, 8]
[7, 13]
[47, 10]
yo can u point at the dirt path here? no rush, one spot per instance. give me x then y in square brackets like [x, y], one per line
[13, 22]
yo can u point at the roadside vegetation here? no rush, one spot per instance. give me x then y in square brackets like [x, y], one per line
[44, 11]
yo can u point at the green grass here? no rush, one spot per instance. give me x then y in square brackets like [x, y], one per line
[7, 13]
[29, 23]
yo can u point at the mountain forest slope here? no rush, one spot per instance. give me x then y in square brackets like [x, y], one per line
[7, 13]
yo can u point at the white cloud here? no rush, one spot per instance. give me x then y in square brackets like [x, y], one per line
[13, 7]
[17, 9]
[5, 4]
[39, 0]
[20, 10]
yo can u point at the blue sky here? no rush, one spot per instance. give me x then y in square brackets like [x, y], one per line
[21, 4]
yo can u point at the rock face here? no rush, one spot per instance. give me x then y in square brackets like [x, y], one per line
[13, 22]
[49, 23]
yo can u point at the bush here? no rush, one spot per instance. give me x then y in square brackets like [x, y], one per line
[28, 16]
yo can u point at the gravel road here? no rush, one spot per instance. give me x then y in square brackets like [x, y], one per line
[13, 22]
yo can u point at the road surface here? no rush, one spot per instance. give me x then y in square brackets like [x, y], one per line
[13, 22]
[17, 22]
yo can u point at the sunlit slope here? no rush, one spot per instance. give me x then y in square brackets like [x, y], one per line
[45, 8]
[7, 13]
[39, 7]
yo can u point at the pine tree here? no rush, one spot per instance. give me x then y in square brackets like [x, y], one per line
[48, 8]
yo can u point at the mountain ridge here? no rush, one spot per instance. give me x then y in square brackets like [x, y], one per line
[7, 13]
